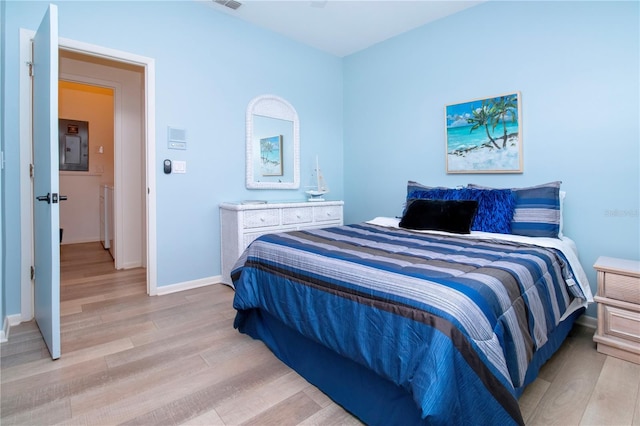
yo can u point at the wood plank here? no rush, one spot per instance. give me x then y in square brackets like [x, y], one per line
[95, 352]
[615, 395]
[176, 359]
[209, 418]
[256, 403]
[139, 403]
[46, 388]
[57, 411]
[158, 373]
[568, 395]
[636, 414]
[531, 397]
[332, 414]
[291, 411]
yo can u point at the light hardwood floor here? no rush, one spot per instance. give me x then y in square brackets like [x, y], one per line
[128, 358]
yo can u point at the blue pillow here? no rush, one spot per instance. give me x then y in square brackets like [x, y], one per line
[537, 210]
[495, 206]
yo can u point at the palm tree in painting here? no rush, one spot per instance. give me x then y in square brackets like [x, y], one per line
[501, 108]
[481, 117]
[266, 148]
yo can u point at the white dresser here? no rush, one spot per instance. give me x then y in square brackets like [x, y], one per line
[240, 224]
[618, 300]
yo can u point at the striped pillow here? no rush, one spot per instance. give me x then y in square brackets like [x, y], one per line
[537, 210]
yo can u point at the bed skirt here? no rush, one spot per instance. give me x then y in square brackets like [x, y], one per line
[371, 398]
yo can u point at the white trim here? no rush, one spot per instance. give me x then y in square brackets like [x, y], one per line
[586, 321]
[188, 285]
[9, 321]
[150, 136]
[26, 286]
[150, 132]
[81, 241]
[130, 265]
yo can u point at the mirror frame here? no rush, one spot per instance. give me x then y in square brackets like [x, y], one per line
[273, 107]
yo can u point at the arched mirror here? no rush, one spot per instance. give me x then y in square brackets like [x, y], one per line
[273, 144]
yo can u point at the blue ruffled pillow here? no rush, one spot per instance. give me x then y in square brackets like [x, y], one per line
[537, 211]
[495, 206]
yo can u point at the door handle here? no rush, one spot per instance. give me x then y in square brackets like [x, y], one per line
[55, 198]
[51, 198]
[46, 198]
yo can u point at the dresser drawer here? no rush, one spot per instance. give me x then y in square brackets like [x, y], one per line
[242, 222]
[327, 213]
[297, 215]
[248, 238]
[621, 287]
[621, 323]
[261, 218]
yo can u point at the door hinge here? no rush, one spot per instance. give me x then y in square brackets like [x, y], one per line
[30, 65]
[33, 273]
[30, 170]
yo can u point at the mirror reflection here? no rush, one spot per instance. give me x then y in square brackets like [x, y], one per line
[273, 140]
[272, 144]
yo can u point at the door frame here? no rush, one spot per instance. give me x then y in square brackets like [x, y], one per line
[26, 155]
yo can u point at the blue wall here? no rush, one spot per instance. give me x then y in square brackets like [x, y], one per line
[208, 68]
[576, 65]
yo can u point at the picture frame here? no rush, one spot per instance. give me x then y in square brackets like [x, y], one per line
[271, 156]
[484, 135]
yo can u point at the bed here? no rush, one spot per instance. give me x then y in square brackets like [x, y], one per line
[401, 325]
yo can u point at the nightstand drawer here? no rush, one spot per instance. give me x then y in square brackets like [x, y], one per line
[621, 323]
[261, 218]
[621, 287]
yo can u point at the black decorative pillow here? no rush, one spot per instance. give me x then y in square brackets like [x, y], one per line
[440, 215]
[495, 206]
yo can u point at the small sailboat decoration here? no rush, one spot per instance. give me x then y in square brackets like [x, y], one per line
[316, 194]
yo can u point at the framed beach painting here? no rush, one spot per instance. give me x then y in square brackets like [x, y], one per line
[271, 156]
[484, 135]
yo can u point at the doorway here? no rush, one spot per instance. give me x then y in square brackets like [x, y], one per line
[87, 214]
[116, 148]
[145, 192]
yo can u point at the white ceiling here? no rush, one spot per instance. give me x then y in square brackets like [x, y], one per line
[342, 27]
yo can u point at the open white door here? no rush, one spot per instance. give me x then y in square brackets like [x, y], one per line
[46, 181]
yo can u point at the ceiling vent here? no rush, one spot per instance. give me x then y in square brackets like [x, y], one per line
[232, 4]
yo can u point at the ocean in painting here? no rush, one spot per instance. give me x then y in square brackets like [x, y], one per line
[474, 152]
[461, 137]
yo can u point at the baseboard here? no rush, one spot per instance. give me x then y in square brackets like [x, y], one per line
[81, 241]
[587, 321]
[9, 321]
[187, 285]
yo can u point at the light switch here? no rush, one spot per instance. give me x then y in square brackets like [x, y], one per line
[179, 166]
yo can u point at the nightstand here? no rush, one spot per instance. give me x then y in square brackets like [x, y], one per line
[618, 298]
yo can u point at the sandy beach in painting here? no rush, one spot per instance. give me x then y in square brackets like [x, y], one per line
[486, 156]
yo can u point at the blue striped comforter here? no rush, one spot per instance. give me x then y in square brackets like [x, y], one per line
[454, 320]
